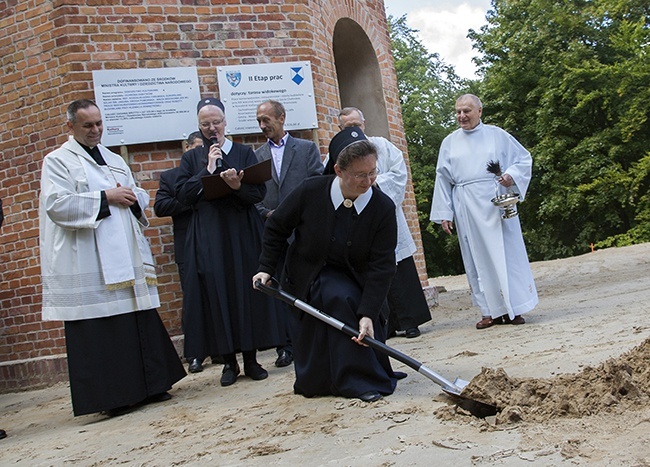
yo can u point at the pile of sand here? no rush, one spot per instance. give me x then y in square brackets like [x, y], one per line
[617, 384]
[569, 398]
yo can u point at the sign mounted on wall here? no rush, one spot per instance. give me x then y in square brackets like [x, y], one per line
[243, 87]
[146, 105]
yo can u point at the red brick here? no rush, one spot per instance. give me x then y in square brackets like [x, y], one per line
[54, 45]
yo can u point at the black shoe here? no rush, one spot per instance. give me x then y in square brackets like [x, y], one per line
[230, 373]
[3, 434]
[285, 358]
[505, 319]
[196, 366]
[255, 371]
[518, 320]
[370, 396]
[399, 374]
[163, 396]
[117, 411]
[412, 332]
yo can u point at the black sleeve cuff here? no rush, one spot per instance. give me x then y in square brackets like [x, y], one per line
[104, 211]
[136, 210]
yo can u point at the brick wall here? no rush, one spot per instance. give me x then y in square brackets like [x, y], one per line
[49, 50]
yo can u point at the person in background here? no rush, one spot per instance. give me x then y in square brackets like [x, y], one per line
[293, 160]
[341, 261]
[406, 301]
[166, 204]
[98, 273]
[194, 140]
[224, 316]
[493, 250]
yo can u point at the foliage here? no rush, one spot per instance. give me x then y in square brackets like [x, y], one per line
[428, 89]
[571, 80]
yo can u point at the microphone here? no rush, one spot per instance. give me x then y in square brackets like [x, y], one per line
[219, 160]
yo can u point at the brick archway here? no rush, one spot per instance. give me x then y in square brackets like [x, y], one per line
[52, 47]
[359, 76]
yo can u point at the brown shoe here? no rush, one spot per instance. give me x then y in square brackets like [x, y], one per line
[518, 320]
[485, 323]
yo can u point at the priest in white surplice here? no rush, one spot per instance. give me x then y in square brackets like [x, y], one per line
[406, 301]
[493, 250]
[98, 273]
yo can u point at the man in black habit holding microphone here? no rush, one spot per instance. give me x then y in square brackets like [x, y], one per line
[224, 315]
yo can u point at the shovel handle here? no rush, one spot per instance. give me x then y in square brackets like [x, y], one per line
[350, 331]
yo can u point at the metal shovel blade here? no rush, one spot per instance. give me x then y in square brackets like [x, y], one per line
[476, 408]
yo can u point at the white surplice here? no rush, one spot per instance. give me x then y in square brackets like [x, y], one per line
[91, 268]
[493, 250]
[392, 181]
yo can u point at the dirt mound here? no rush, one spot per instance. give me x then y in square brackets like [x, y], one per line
[620, 382]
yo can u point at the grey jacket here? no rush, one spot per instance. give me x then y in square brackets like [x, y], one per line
[301, 160]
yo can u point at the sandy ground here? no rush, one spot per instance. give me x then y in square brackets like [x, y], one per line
[593, 309]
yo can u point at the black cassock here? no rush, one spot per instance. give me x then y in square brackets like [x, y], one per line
[408, 305]
[222, 312]
[327, 361]
[119, 361]
[341, 263]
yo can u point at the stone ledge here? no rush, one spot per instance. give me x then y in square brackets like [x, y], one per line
[431, 294]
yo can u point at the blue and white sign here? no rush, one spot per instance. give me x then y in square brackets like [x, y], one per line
[243, 87]
[234, 78]
[296, 75]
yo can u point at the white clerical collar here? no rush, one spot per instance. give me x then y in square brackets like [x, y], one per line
[476, 128]
[227, 146]
[337, 197]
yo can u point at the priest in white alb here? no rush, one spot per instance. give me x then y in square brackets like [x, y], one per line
[493, 250]
[99, 276]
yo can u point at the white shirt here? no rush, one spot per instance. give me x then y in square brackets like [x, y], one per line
[277, 151]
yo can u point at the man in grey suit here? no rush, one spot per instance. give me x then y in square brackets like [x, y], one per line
[293, 160]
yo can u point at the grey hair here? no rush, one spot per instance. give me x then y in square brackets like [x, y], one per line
[278, 108]
[348, 110]
[473, 98]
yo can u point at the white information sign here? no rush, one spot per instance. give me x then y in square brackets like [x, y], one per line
[243, 87]
[146, 105]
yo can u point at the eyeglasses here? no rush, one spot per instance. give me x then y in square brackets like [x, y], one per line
[372, 174]
[208, 125]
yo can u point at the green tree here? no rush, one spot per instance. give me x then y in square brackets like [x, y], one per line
[428, 88]
[571, 80]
